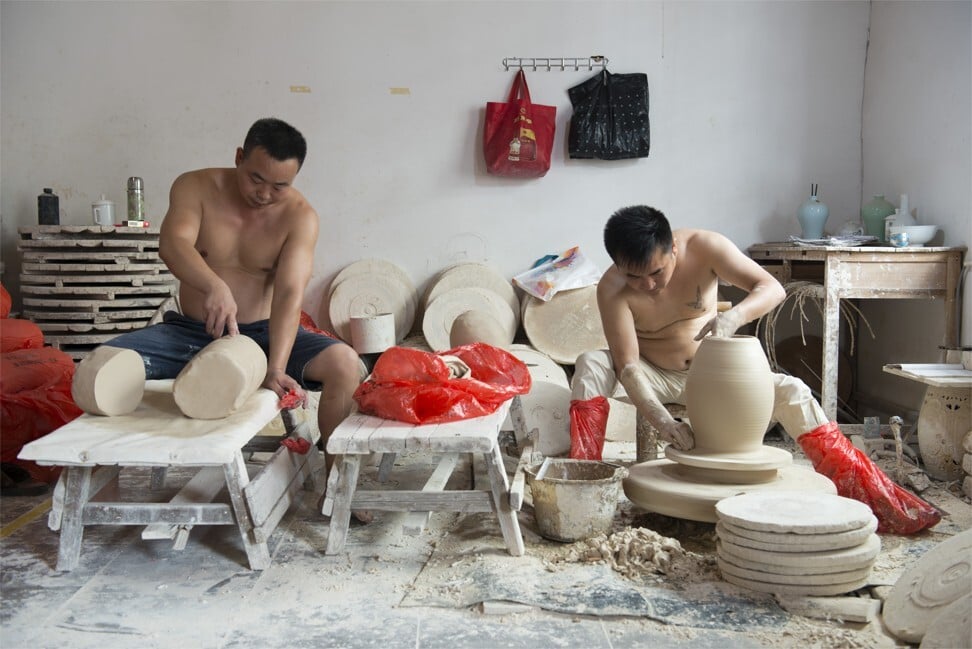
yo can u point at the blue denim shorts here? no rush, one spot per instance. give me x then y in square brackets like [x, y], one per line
[166, 347]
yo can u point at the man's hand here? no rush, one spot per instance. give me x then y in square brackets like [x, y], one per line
[220, 309]
[679, 434]
[724, 325]
[281, 383]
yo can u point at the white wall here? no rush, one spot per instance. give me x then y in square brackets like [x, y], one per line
[750, 103]
[916, 136]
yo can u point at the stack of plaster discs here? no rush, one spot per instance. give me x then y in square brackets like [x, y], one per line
[474, 297]
[796, 543]
[370, 287]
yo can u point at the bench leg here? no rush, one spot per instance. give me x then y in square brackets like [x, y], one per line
[348, 467]
[77, 487]
[508, 521]
[236, 479]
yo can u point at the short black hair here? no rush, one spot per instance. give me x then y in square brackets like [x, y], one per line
[633, 234]
[281, 140]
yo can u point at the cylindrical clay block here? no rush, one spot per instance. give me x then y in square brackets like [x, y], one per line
[220, 378]
[109, 381]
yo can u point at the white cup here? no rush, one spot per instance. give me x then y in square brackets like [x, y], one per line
[103, 212]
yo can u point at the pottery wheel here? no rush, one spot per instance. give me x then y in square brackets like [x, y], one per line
[443, 311]
[368, 295]
[762, 459]
[799, 513]
[671, 489]
[567, 325]
[940, 576]
[471, 275]
[789, 542]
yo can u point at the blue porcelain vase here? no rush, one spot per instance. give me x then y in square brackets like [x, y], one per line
[812, 216]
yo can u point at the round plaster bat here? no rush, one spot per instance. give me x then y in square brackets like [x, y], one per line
[110, 381]
[220, 378]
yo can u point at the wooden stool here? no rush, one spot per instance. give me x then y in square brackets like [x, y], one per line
[94, 449]
[361, 434]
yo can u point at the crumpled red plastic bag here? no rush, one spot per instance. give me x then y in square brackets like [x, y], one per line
[414, 386]
[898, 511]
[588, 426]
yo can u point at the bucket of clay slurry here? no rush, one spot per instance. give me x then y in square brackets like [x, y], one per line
[574, 499]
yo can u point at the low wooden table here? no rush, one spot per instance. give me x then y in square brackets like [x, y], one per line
[360, 435]
[866, 272]
[93, 449]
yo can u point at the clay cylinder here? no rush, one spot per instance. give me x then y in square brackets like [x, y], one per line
[372, 334]
[729, 395]
[220, 378]
[110, 381]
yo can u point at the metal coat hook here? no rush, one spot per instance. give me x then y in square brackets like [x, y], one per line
[550, 63]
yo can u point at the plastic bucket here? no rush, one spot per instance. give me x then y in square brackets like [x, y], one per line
[575, 499]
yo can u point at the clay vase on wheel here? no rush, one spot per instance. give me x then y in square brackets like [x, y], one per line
[729, 395]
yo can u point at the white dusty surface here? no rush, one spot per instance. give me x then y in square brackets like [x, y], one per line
[653, 581]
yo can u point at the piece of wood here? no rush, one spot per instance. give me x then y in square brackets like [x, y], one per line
[342, 491]
[509, 524]
[416, 521]
[236, 480]
[519, 478]
[124, 513]
[77, 488]
[100, 477]
[844, 609]
[387, 463]
[389, 500]
[201, 488]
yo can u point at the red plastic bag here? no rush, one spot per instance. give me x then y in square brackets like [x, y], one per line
[19, 334]
[5, 302]
[518, 134]
[26, 369]
[856, 476]
[588, 426]
[34, 411]
[415, 386]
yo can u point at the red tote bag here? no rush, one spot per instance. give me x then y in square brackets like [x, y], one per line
[518, 134]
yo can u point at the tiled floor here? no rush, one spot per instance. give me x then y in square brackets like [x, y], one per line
[127, 592]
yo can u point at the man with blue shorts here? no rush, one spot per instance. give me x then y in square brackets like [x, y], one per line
[241, 242]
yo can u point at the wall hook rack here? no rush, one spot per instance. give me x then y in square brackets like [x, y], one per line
[555, 62]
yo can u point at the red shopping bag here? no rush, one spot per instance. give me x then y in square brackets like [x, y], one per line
[518, 134]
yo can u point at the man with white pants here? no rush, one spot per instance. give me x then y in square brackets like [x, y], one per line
[657, 302]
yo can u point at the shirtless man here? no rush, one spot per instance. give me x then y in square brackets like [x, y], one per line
[241, 241]
[657, 302]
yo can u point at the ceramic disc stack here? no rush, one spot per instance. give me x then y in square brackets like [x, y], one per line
[467, 275]
[370, 287]
[566, 325]
[796, 543]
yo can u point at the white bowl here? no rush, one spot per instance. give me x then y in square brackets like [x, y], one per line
[918, 235]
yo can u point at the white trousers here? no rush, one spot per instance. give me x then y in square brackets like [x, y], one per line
[793, 405]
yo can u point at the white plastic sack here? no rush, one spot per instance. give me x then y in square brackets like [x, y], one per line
[550, 275]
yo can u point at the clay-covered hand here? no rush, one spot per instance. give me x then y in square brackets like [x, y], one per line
[679, 434]
[283, 385]
[220, 309]
[724, 325]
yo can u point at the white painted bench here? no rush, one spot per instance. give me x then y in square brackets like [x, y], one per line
[360, 435]
[94, 449]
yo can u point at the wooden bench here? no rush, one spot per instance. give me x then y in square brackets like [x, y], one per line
[94, 449]
[360, 435]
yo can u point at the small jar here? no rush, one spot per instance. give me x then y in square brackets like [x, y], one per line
[136, 199]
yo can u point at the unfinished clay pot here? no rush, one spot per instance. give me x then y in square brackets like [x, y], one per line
[729, 395]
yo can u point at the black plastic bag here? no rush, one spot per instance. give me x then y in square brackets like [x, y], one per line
[610, 120]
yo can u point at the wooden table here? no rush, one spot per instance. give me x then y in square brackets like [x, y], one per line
[360, 435]
[866, 272]
[93, 449]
